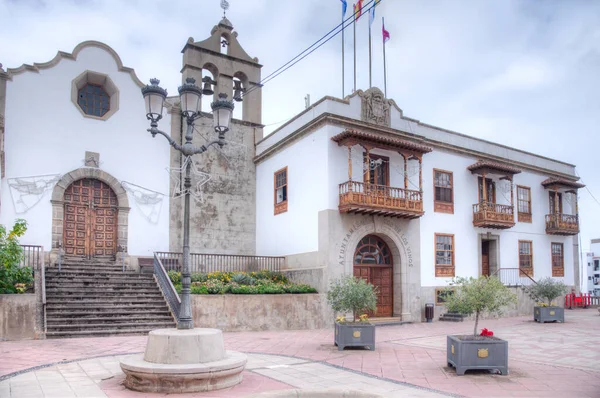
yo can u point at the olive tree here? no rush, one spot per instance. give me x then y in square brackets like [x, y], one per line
[546, 289]
[352, 294]
[479, 296]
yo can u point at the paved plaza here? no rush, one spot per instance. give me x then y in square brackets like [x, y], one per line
[545, 360]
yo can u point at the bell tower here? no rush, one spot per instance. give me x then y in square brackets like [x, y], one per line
[234, 71]
[224, 221]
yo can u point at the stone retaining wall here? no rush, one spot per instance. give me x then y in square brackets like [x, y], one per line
[17, 317]
[244, 312]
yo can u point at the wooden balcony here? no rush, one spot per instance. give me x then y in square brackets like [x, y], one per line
[362, 198]
[492, 215]
[562, 224]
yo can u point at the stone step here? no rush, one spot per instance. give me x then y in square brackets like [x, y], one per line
[101, 289]
[162, 306]
[100, 273]
[100, 282]
[88, 268]
[122, 318]
[100, 333]
[83, 293]
[118, 300]
[112, 326]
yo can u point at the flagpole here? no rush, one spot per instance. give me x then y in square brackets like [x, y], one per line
[370, 84]
[354, 26]
[343, 69]
[384, 68]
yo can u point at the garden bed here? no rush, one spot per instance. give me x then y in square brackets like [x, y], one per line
[261, 282]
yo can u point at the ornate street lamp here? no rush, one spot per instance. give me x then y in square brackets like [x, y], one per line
[189, 94]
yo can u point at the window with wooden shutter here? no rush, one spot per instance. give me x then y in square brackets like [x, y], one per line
[444, 255]
[526, 257]
[558, 259]
[443, 191]
[281, 191]
[524, 203]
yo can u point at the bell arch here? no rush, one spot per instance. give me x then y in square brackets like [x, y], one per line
[58, 205]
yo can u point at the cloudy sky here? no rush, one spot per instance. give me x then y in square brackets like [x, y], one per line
[520, 73]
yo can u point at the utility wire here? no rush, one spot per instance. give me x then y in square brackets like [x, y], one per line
[300, 56]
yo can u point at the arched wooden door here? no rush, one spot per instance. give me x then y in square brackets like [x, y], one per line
[90, 223]
[373, 262]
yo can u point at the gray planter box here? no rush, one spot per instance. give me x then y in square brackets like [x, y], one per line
[354, 335]
[484, 353]
[548, 314]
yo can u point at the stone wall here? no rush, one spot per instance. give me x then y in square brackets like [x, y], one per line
[233, 312]
[18, 317]
[225, 221]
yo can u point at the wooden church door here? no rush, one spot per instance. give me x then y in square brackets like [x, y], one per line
[373, 262]
[90, 219]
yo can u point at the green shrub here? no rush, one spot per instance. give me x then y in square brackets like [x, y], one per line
[351, 294]
[198, 289]
[242, 279]
[215, 286]
[243, 289]
[546, 289]
[12, 278]
[293, 288]
[175, 277]
[269, 287]
[270, 275]
[199, 277]
[478, 296]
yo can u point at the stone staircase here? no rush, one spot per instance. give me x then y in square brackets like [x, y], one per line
[93, 298]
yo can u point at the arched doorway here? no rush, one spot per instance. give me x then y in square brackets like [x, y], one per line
[373, 262]
[90, 219]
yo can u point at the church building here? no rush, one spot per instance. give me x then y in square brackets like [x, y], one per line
[348, 186]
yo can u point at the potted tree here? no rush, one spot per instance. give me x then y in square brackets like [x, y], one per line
[544, 292]
[484, 295]
[350, 294]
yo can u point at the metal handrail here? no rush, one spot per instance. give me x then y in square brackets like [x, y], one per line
[511, 279]
[166, 286]
[201, 262]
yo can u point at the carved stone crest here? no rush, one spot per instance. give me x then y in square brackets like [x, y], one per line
[375, 107]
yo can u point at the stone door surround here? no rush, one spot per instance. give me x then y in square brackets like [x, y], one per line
[58, 204]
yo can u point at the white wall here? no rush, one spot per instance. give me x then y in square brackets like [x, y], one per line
[466, 235]
[47, 134]
[295, 231]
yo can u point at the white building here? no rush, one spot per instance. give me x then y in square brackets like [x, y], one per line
[593, 268]
[348, 186]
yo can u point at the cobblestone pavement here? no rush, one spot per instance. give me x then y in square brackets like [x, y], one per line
[545, 360]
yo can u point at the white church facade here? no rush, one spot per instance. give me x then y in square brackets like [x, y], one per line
[348, 186]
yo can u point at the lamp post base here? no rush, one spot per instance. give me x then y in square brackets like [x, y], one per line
[181, 361]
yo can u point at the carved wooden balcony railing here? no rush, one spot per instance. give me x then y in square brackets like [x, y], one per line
[362, 198]
[562, 224]
[492, 215]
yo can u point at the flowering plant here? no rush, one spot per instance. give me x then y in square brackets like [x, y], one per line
[363, 318]
[540, 304]
[485, 332]
[340, 319]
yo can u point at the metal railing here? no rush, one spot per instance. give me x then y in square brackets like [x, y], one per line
[166, 286]
[514, 277]
[32, 256]
[206, 263]
[360, 193]
[562, 222]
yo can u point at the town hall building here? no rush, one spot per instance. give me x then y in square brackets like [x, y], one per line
[348, 186]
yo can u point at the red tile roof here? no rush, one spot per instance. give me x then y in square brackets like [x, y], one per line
[563, 182]
[380, 139]
[496, 166]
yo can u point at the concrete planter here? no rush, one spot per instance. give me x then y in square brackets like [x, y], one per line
[548, 314]
[480, 353]
[354, 335]
[17, 317]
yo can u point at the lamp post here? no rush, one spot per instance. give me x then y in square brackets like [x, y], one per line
[189, 94]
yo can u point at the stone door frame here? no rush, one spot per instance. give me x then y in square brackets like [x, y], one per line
[58, 208]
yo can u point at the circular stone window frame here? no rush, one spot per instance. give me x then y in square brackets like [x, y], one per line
[98, 79]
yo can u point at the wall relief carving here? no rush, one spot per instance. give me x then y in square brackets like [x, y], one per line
[375, 108]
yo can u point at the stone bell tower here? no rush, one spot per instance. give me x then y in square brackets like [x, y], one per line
[224, 221]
